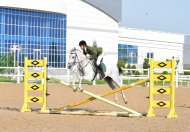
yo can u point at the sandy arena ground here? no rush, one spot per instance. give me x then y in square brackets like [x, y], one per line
[11, 101]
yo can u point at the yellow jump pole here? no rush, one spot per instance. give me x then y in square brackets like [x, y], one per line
[102, 95]
[172, 96]
[44, 107]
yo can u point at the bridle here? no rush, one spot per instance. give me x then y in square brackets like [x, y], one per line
[77, 61]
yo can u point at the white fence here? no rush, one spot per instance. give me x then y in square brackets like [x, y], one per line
[17, 74]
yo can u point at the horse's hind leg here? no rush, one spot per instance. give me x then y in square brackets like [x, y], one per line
[110, 83]
[124, 98]
[122, 92]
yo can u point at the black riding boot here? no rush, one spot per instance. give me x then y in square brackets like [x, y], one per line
[101, 71]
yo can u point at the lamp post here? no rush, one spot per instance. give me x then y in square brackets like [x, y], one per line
[14, 48]
[131, 56]
[140, 60]
[36, 51]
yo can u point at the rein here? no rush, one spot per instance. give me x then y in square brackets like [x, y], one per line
[77, 61]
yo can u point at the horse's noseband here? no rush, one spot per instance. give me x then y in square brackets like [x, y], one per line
[71, 64]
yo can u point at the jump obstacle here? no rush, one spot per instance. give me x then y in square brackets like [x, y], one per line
[163, 90]
[34, 86]
[129, 112]
[102, 95]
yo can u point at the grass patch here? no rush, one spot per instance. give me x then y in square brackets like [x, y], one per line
[127, 82]
[101, 82]
[7, 79]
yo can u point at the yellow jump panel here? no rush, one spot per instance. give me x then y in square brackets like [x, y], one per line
[39, 75]
[161, 103]
[161, 90]
[35, 63]
[161, 64]
[35, 99]
[162, 77]
[34, 86]
[170, 77]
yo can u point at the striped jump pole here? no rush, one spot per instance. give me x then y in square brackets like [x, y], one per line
[102, 95]
[131, 112]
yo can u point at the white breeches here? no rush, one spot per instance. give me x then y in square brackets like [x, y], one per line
[99, 59]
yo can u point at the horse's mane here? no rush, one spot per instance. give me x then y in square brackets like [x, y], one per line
[77, 51]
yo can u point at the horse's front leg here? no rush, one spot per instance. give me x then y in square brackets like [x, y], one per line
[73, 84]
[80, 86]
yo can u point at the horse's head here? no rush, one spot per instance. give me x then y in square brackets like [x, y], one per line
[75, 57]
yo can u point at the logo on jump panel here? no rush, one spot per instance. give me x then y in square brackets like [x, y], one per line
[35, 75]
[161, 77]
[35, 87]
[35, 62]
[161, 90]
[161, 104]
[162, 64]
[34, 99]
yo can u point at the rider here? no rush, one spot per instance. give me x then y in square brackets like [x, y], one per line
[93, 53]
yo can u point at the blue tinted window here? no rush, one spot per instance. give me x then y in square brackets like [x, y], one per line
[128, 51]
[31, 30]
[150, 55]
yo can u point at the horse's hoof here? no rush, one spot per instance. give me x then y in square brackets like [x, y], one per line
[126, 102]
[117, 102]
[80, 89]
[74, 89]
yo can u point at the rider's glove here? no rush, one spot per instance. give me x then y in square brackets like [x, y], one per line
[87, 56]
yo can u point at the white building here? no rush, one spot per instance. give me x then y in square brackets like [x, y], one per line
[159, 45]
[55, 26]
[186, 52]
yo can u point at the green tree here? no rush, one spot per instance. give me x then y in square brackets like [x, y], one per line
[10, 60]
[165, 72]
[146, 65]
[133, 67]
[95, 44]
[137, 73]
[6, 61]
[2, 61]
[186, 72]
[121, 62]
[177, 62]
[96, 48]
[129, 67]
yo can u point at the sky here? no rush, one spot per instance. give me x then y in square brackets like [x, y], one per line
[160, 15]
